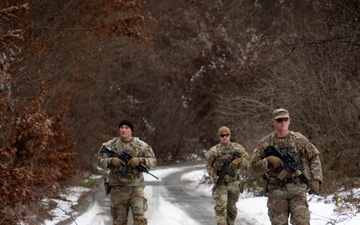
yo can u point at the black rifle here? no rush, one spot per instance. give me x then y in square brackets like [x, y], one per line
[126, 158]
[290, 165]
[226, 169]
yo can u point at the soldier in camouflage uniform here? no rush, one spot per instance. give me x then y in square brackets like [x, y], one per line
[227, 193]
[286, 193]
[127, 190]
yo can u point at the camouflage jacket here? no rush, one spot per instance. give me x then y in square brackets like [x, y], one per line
[218, 153]
[307, 155]
[137, 148]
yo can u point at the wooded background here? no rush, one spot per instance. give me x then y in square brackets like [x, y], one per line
[71, 70]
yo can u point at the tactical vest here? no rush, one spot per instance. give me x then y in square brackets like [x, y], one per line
[292, 144]
[223, 153]
[133, 148]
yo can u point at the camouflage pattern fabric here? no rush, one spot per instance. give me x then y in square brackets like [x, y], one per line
[226, 196]
[136, 148]
[288, 198]
[227, 193]
[122, 198]
[216, 155]
[281, 199]
[127, 190]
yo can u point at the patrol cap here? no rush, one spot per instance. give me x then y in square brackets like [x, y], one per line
[280, 113]
[127, 123]
[224, 130]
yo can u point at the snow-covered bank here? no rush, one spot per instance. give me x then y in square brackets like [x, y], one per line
[324, 210]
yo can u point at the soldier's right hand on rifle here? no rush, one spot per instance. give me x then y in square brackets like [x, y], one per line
[116, 161]
[273, 160]
[235, 163]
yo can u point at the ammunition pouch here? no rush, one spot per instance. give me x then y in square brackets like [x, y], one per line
[283, 182]
[107, 187]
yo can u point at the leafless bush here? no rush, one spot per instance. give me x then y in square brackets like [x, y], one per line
[205, 64]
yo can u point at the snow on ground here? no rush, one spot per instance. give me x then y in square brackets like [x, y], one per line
[323, 209]
[67, 200]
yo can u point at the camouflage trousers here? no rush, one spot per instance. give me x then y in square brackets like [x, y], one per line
[226, 196]
[288, 200]
[125, 198]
